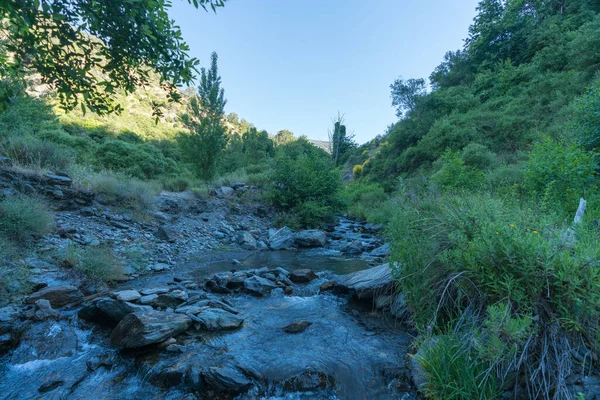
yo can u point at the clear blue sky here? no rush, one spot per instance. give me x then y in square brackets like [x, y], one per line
[293, 64]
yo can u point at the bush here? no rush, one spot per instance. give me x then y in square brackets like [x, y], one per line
[100, 263]
[560, 175]
[478, 156]
[453, 174]
[143, 161]
[178, 184]
[32, 152]
[126, 192]
[303, 179]
[357, 171]
[22, 217]
[366, 201]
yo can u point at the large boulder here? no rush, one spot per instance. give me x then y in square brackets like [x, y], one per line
[217, 319]
[258, 286]
[115, 310]
[47, 340]
[304, 275]
[369, 282]
[246, 240]
[354, 248]
[381, 251]
[282, 239]
[127, 295]
[143, 328]
[58, 296]
[311, 238]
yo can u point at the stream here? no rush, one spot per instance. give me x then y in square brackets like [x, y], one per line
[349, 351]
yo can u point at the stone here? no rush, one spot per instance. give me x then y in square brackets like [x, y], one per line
[227, 378]
[353, 248]
[225, 191]
[127, 295]
[309, 381]
[297, 327]
[282, 239]
[58, 296]
[369, 282]
[179, 295]
[48, 340]
[258, 286]
[216, 319]
[167, 234]
[149, 299]
[116, 310]
[56, 179]
[159, 290]
[246, 240]
[144, 328]
[381, 251]
[302, 275]
[44, 310]
[119, 224]
[329, 285]
[311, 238]
[373, 228]
[166, 301]
[50, 385]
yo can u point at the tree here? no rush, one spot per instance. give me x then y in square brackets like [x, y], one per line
[340, 141]
[205, 120]
[405, 94]
[88, 50]
[284, 136]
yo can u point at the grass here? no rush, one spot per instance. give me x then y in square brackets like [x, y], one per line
[22, 217]
[177, 184]
[99, 263]
[38, 154]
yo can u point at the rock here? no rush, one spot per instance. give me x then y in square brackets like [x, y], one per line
[309, 381]
[44, 310]
[282, 239]
[381, 251]
[58, 296]
[48, 340]
[373, 228]
[227, 378]
[369, 282]
[329, 285]
[167, 234]
[144, 328]
[179, 295]
[167, 301]
[399, 308]
[258, 286]
[51, 385]
[127, 295]
[149, 299]
[150, 291]
[419, 374]
[216, 319]
[56, 179]
[297, 327]
[119, 224]
[302, 275]
[116, 310]
[225, 191]
[354, 248]
[311, 238]
[246, 240]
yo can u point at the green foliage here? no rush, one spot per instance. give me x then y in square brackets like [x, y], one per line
[122, 45]
[141, 161]
[204, 118]
[366, 201]
[341, 142]
[132, 194]
[100, 263]
[405, 95]
[303, 181]
[177, 184]
[560, 174]
[587, 118]
[41, 154]
[454, 175]
[22, 217]
[284, 137]
[478, 156]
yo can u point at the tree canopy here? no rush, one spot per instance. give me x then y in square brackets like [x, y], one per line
[89, 49]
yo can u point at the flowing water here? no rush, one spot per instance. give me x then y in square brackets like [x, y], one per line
[348, 352]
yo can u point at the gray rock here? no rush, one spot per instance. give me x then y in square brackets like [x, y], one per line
[369, 282]
[167, 300]
[149, 299]
[246, 240]
[381, 251]
[144, 328]
[225, 191]
[282, 239]
[127, 295]
[46, 340]
[302, 275]
[258, 286]
[119, 224]
[216, 319]
[56, 179]
[167, 234]
[58, 296]
[311, 238]
[227, 378]
[179, 295]
[44, 310]
[297, 327]
[116, 310]
[160, 290]
[354, 248]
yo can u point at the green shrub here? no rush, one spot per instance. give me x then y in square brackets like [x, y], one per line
[126, 192]
[357, 171]
[560, 175]
[366, 201]
[303, 179]
[22, 217]
[201, 192]
[178, 184]
[143, 161]
[587, 118]
[478, 156]
[453, 174]
[42, 154]
[100, 263]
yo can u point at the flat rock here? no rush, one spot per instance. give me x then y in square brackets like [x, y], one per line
[148, 299]
[116, 310]
[167, 234]
[354, 248]
[369, 282]
[297, 327]
[381, 251]
[160, 290]
[58, 296]
[59, 179]
[246, 240]
[44, 310]
[304, 275]
[258, 286]
[46, 340]
[144, 328]
[127, 295]
[311, 238]
[282, 239]
[227, 378]
[216, 319]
